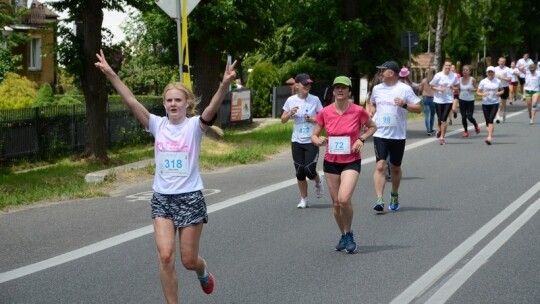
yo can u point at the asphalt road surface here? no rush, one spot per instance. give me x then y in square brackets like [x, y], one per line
[466, 232]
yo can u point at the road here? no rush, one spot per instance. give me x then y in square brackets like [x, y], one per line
[466, 232]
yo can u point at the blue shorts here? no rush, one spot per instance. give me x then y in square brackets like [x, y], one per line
[185, 209]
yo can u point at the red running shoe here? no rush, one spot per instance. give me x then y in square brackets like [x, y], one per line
[477, 129]
[441, 141]
[207, 283]
[438, 133]
[465, 134]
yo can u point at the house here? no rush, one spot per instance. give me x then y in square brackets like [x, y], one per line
[38, 56]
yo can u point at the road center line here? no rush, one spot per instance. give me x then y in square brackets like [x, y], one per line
[429, 278]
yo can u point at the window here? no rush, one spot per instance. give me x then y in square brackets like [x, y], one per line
[34, 63]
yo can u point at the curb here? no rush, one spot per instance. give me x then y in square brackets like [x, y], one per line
[101, 176]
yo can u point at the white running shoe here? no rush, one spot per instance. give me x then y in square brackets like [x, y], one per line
[303, 204]
[319, 188]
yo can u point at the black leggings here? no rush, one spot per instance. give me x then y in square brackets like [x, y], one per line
[466, 107]
[305, 158]
[489, 112]
[443, 110]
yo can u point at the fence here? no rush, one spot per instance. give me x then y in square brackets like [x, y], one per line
[40, 133]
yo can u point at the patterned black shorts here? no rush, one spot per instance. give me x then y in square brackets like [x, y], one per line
[184, 209]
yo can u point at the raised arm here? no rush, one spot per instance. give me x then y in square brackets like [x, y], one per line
[228, 77]
[138, 110]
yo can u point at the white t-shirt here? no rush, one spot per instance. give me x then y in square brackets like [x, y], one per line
[177, 149]
[309, 106]
[532, 81]
[505, 72]
[492, 86]
[390, 118]
[466, 90]
[515, 73]
[523, 63]
[443, 80]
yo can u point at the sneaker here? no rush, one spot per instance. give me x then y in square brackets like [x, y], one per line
[455, 114]
[450, 122]
[350, 246]
[303, 204]
[438, 134]
[531, 122]
[477, 129]
[429, 133]
[207, 283]
[465, 134]
[379, 205]
[441, 141]
[498, 119]
[319, 188]
[394, 202]
[342, 243]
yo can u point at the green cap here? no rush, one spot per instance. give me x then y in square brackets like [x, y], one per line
[342, 80]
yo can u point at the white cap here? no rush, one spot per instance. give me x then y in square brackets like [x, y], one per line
[490, 68]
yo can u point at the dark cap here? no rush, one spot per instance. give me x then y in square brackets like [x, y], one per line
[303, 78]
[392, 65]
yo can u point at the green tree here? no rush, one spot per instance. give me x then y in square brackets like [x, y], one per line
[262, 79]
[16, 92]
[44, 97]
[10, 16]
[78, 55]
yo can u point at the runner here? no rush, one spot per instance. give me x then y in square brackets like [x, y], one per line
[392, 100]
[490, 88]
[303, 107]
[532, 90]
[513, 82]
[427, 98]
[467, 88]
[504, 74]
[343, 121]
[178, 206]
[444, 84]
[523, 66]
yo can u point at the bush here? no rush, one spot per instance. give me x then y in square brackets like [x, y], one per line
[16, 92]
[44, 96]
[261, 80]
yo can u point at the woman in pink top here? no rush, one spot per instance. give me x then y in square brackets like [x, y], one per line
[343, 121]
[178, 207]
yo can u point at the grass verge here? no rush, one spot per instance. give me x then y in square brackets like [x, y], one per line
[65, 179]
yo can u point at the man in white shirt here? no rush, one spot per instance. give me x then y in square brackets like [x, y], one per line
[504, 74]
[523, 66]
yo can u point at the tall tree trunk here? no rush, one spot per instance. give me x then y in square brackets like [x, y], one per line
[348, 12]
[439, 36]
[93, 83]
[209, 66]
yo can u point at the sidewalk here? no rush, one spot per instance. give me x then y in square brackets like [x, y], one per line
[102, 175]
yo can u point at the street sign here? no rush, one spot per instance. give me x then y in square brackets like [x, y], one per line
[169, 6]
[409, 41]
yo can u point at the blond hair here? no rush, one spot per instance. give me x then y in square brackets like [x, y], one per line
[190, 97]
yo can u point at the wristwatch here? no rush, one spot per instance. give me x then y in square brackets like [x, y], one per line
[361, 139]
[404, 106]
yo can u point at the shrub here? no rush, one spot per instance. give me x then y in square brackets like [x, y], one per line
[261, 80]
[44, 96]
[16, 92]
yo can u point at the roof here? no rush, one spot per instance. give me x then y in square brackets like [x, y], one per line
[423, 61]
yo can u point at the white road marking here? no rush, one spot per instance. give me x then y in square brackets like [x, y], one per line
[451, 286]
[429, 278]
[128, 236]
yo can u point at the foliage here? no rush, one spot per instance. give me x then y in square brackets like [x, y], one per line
[44, 97]
[8, 62]
[262, 79]
[16, 92]
[68, 100]
[317, 71]
[149, 64]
